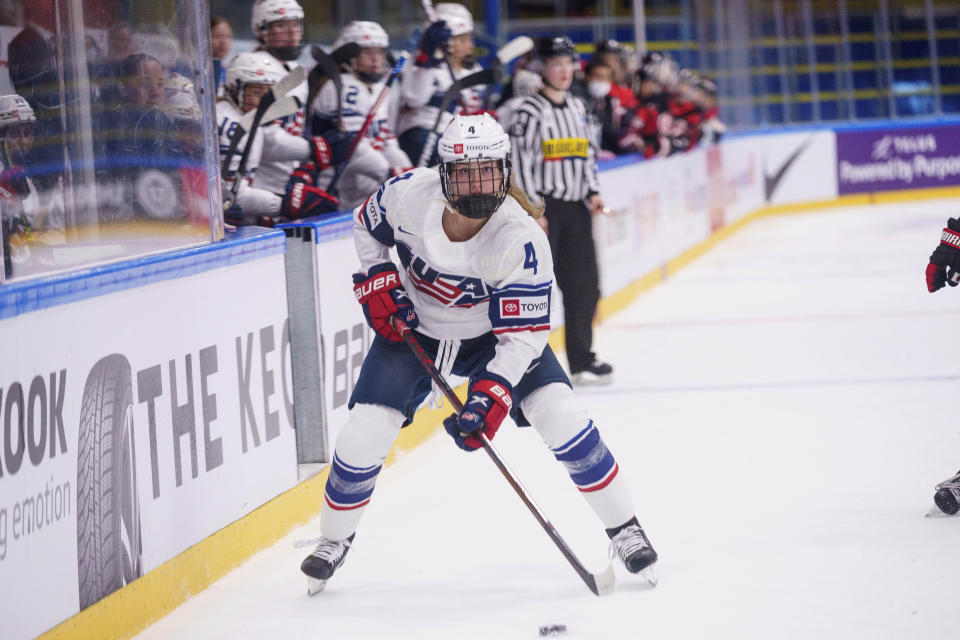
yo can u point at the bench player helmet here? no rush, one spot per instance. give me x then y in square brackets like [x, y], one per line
[365, 34]
[17, 127]
[457, 17]
[252, 67]
[474, 165]
[265, 13]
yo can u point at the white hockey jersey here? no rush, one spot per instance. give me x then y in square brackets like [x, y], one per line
[284, 144]
[379, 152]
[500, 280]
[423, 89]
[251, 200]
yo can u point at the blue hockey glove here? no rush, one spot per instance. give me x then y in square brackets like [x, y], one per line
[488, 403]
[436, 35]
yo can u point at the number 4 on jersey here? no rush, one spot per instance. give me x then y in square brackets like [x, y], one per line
[530, 257]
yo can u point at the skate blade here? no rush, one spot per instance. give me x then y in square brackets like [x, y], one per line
[649, 575]
[315, 586]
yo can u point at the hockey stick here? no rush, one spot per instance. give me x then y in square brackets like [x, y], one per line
[286, 84]
[505, 55]
[600, 584]
[280, 109]
[484, 76]
[394, 74]
[328, 65]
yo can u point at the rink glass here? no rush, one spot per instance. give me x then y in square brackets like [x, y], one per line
[123, 160]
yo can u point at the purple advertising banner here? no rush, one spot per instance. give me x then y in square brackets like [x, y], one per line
[892, 159]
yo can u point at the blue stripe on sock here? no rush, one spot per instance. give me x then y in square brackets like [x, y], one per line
[586, 457]
[346, 487]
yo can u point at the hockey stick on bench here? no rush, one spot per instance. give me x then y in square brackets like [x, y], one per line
[355, 142]
[600, 584]
[449, 103]
[286, 84]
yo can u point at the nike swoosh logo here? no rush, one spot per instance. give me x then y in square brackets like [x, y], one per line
[770, 182]
[532, 367]
[402, 230]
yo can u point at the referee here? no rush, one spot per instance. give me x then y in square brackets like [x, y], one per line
[555, 164]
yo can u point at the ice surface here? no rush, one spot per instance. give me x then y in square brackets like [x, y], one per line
[782, 409]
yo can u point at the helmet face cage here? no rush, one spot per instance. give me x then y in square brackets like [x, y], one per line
[267, 12]
[475, 187]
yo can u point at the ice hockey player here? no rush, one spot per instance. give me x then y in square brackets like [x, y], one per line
[471, 255]
[278, 27]
[425, 82]
[944, 269]
[22, 210]
[249, 76]
[378, 156]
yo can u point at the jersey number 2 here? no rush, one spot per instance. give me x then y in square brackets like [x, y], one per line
[530, 257]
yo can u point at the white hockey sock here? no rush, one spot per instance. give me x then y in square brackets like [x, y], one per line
[563, 423]
[360, 451]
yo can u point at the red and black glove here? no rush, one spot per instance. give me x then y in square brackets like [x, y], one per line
[382, 295]
[944, 267]
[13, 183]
[303, 201]
[330, 149]
[488, 403]
[306, 173]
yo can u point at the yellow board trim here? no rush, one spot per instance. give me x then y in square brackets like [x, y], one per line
[130, 610]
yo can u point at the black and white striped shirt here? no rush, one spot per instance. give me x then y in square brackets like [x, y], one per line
[552, 150]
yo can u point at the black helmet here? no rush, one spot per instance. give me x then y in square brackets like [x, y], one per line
[555, 47]
[609, 46]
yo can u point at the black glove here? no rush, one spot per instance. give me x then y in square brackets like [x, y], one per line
[944, 267]
[435, 36]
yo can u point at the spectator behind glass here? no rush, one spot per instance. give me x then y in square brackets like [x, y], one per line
[221, 40]
[606, 113]
[611, 53]
[34, 74]
[139, 132]
[119, 47]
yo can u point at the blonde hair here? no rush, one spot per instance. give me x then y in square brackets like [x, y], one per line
[515, 192]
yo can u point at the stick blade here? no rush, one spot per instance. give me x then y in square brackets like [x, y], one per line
[514, 49]
[602, 584]
[290, 81]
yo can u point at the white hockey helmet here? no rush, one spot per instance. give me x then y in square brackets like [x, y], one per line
[14, 108]
[264, 13]
[364, 33]
[474, 165]
[180, 99]
[457, 17]
[252, 67]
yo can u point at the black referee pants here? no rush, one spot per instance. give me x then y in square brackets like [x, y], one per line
[570, 230]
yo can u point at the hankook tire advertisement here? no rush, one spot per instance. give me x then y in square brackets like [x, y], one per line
[136, 424]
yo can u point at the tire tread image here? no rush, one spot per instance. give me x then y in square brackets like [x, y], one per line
[107, 394]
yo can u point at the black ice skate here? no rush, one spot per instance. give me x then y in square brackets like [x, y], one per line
[598, 372]
[947, 496]
[325, 559]
[630, 543]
